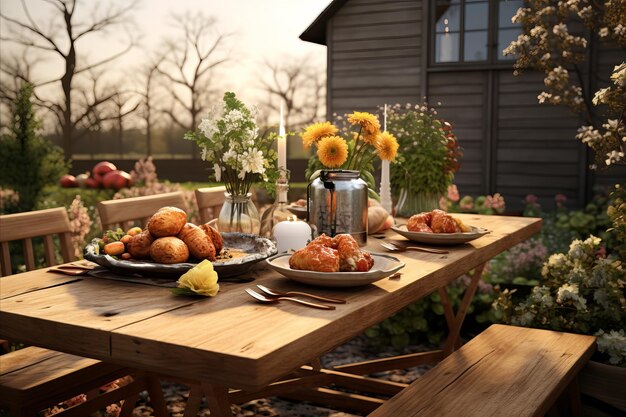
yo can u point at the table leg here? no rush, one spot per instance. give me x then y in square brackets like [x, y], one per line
[194, 401]
[455, 321]
[217, 399]
[156, 396]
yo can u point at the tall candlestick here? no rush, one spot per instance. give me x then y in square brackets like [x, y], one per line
[385, 186]
[282, 142]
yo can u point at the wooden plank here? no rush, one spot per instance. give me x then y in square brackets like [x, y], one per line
[31, 281]
[376, 44]
[395, 362]
[29, 254]
[210, 198]
[44, 222]
[404, 52]
[23, 358]
[6, 259]
[384, 16]
[116, 211]
[48, 247]
[405, 28]
[349, 9]
[505, 370]
[79, 314]
[336, 399]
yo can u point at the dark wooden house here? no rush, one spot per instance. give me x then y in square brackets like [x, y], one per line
[450, 52]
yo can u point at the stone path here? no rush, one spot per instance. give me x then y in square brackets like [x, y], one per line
[354, 351]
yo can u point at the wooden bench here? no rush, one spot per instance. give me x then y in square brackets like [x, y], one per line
[504, 371]
[124, 212]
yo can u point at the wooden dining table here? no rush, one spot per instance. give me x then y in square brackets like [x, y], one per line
[235, 349]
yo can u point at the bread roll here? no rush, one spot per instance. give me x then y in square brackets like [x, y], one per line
[169, 250]
[139, 245]
[199, 244]
[215, 237]
[168, 221]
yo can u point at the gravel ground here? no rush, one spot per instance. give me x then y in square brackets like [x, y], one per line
[354, 351]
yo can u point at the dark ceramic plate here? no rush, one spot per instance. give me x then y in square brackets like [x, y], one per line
[255, 248]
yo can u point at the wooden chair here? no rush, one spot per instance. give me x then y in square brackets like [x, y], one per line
[126, 211]
[33, 378]
[26, 226]
[210, 201]
[504, 371]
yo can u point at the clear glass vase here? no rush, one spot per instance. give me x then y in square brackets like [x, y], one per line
[239, 214]
[410, 203]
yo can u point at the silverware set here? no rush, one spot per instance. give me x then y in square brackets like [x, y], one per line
[273, 296]
[394, 247]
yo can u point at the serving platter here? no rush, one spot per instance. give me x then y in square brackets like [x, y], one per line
[246, 249]
[441, 238]
[384, 266]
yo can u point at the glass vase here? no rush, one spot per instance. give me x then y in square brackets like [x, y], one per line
[410, 203]
[239, 214]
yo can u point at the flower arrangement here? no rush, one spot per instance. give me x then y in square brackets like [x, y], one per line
[365, 142]
[430, 150]
[581, 291]
[229, 138]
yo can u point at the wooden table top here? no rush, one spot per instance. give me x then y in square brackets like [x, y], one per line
[230, 339]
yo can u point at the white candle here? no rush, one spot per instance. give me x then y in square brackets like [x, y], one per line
[385, 186]
[291, 234]
[282, 142]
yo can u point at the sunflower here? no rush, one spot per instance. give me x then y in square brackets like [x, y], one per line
[369, 122]
[332, 151]
[387, 146]
[313, 133]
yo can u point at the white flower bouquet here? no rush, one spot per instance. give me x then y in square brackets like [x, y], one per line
[229, 138]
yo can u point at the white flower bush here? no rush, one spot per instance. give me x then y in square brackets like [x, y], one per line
[229, 138]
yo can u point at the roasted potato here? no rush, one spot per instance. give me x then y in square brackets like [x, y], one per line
[139, 245]
[199, 244]
[168, 221]
[215, 237]
[169, 250]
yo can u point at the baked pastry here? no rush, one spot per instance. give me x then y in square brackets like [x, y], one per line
[169, 250]
[215, 237]
[199, 243]
[168, 221]
[436, 221]
[420, 223]
[326, 254]
[315, 257]
[139, 245]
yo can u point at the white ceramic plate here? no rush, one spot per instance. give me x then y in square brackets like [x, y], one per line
[384, 266]
[440, 238]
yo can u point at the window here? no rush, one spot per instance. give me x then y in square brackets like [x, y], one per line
[465, 30]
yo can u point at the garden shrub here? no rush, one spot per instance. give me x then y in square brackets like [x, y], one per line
[28, 162]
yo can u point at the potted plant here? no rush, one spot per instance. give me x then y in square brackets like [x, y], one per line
[582, 291]
[428, 161]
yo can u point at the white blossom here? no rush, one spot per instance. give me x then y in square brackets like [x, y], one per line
[560, 29]
[218, 172]
[604, 32]
[252, 161]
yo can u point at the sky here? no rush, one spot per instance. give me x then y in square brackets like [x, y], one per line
[259, 30]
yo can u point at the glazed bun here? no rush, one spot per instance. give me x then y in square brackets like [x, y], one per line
[169, 250]
[199, 244]
[168, 221]
[215, 237]
[139, 245]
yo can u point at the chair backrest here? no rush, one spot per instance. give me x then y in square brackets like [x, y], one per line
[126, 211]
[26, 226]
[210, 201]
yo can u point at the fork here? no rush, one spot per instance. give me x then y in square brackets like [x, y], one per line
[275, 293]
[265, 299]
[392, 247]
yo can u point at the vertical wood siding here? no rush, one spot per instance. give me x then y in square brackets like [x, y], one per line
[374, 55]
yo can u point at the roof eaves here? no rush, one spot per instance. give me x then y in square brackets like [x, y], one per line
[316, 32]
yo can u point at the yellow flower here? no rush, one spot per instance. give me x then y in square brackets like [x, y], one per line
[201, 279]
[369, 122]
[332, 151]
[313, 133]
[387, 146]
[372, 139]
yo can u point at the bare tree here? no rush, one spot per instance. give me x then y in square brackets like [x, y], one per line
[188, 68]
[62, 40]
[148, 76]
[121, 108]
[300, 87]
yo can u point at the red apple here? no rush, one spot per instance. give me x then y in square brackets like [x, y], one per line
[81, 179]
[116, 180]
[103, 168]
[92, 183]
[68, 181]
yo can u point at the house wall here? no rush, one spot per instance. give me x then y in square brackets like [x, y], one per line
[377, 54]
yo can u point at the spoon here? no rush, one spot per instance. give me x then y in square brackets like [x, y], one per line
[265, 299]
[275, 293]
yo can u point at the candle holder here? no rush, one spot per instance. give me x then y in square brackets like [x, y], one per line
[278, 211]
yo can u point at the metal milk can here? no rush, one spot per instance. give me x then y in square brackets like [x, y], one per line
[337, 203]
